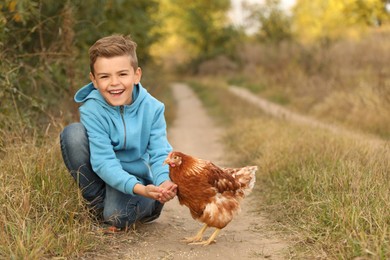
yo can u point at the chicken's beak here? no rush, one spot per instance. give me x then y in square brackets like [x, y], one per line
[166, 161]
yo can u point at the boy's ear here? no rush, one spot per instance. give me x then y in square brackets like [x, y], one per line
[138, 74]
[92, 78]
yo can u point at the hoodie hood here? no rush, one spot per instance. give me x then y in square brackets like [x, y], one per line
[82, 94]
[90, 92]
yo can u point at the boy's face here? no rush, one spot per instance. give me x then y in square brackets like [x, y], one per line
[115, 79]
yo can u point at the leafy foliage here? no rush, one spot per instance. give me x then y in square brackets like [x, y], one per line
[194, 31]
[274, 22]
[44, 59]
[332, 19]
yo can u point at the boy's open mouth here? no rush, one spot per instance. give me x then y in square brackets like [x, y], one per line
[116, 92]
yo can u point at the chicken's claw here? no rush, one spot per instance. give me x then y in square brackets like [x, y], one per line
[197, 238]
[208, 241]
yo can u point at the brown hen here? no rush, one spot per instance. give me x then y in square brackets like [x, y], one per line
[212, 194]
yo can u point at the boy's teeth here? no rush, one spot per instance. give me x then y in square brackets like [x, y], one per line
[116, 91]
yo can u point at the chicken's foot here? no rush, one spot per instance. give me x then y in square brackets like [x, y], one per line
[198, 237]
[210, 240]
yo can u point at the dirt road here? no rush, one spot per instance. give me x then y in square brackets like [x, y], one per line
[248, 236]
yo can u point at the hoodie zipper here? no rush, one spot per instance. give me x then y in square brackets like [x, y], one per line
[122, 108]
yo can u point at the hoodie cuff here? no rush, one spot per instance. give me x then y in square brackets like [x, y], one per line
[161, 178]
[129, 187]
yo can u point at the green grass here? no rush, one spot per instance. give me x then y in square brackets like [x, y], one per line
[331, 190]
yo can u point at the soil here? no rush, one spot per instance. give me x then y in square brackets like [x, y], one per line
[249, 236]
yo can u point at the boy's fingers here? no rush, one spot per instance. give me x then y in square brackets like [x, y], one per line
[173, 188]
[169, 196]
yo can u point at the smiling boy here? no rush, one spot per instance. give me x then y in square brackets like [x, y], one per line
[116, 153]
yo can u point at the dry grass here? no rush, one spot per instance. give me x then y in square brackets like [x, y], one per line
[332, 190]
[41, 211]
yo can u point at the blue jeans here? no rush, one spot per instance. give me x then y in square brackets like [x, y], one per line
[119, 209]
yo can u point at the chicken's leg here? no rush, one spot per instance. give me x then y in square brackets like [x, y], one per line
[210, 240]
[198, 237]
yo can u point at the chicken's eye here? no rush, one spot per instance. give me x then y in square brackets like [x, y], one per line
[175, 157]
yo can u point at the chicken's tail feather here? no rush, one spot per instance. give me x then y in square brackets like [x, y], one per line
[246, 176]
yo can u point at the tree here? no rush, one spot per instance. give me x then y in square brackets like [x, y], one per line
[274, 23]
[194, 30]
[331, 19]
[136, 18]
[43, 49]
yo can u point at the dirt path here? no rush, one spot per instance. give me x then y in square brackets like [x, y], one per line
[248, 236]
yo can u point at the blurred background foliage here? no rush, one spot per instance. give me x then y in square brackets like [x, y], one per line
[335, 19]
[44, 51]
[44, 43]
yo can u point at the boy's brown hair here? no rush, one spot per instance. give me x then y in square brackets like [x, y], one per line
[112, 46]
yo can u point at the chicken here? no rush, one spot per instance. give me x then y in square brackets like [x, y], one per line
[212, 194]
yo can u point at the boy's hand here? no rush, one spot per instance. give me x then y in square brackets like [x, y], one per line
[169, 191]
[153, 192]
[163, 193]
[149, 191]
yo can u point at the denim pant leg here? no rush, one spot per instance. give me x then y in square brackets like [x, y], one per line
[122, 210]
[75, 152]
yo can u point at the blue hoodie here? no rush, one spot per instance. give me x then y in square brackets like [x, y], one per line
[128, 144]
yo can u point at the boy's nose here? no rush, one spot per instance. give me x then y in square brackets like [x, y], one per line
[114, 80]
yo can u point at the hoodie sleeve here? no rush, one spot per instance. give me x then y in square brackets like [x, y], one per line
[159, 148]
[103, 158]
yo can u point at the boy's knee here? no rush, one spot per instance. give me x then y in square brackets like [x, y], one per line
[75, 146]
[74, 134]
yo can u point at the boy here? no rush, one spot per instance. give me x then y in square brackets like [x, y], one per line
[116, 153]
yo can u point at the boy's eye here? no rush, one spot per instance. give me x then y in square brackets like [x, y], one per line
[103, 77]
[123, 74]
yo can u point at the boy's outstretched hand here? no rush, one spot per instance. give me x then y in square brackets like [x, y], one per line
[163, 193]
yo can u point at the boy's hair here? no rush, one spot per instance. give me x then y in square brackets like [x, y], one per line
[112, 46]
